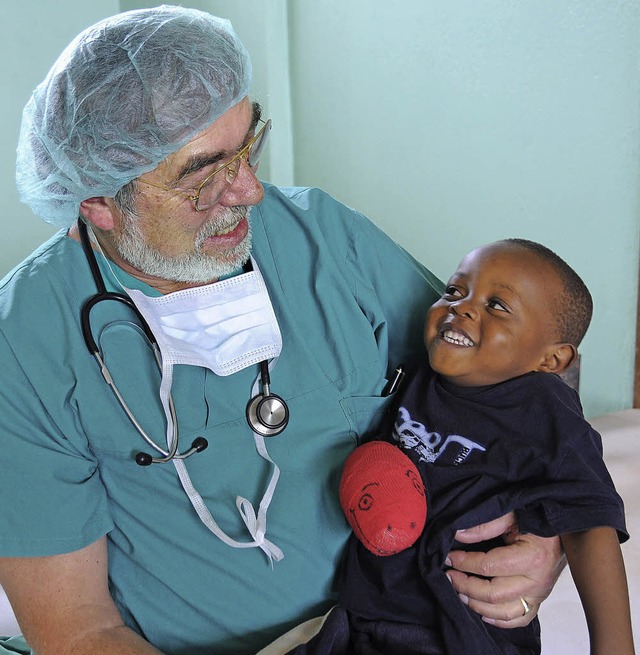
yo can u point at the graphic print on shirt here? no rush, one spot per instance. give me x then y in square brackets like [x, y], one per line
[429, 446]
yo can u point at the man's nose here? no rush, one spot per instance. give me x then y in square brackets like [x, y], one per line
[246, 188]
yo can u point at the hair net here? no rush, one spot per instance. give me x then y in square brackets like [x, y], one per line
[123, 95]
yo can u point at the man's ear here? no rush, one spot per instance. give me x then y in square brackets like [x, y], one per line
[559, 358]
[100, 211]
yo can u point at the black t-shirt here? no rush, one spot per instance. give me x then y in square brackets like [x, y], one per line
[519, 445]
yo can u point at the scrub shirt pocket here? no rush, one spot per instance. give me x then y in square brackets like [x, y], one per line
[366, 414]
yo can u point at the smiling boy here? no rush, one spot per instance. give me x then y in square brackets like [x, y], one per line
[491, 431]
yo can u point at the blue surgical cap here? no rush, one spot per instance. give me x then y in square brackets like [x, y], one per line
[122, 96]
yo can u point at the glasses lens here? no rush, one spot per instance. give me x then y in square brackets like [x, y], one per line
[258, 146]
[215, 187]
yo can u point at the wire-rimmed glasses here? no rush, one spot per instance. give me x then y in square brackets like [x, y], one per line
[215, 185]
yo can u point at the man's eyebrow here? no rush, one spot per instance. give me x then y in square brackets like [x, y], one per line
[198, 162]
[257, 114]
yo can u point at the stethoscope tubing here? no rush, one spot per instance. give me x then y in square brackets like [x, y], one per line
[85, 320]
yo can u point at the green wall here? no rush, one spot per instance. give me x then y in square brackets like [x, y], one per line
[456, 123]
[34, 32]
[449, 123]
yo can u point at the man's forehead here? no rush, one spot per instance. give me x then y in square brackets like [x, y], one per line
[220, 139]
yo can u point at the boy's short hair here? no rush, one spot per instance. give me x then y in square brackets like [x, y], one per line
[574, 308]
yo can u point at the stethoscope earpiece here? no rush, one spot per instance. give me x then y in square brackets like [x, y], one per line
[197, 446]
[144, 459]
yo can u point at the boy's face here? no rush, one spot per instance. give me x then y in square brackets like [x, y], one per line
[495, 319]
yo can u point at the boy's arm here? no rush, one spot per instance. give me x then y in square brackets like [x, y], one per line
[597, 568]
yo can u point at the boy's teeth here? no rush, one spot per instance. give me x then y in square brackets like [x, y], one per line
[456, 338]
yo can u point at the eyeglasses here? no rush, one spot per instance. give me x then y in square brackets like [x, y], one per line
[214, 186]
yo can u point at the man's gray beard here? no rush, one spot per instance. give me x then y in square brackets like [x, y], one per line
[195, 267]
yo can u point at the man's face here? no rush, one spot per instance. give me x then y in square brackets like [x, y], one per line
[495, 319]
[167, 239]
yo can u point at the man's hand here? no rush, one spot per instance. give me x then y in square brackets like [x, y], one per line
[527, 567]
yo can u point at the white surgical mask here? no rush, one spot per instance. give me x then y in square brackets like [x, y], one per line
[224, 327]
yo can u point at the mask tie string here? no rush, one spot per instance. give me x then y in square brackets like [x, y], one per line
[256, 524]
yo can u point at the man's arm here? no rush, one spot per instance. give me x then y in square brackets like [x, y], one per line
[527, 567]
[63, 605]
[598, 571]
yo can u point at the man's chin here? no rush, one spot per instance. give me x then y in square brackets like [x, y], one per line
[210, 267]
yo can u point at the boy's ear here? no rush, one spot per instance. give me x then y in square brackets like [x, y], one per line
[559, 358]
[99, 211]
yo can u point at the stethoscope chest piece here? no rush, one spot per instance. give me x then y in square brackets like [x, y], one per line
[267, 413]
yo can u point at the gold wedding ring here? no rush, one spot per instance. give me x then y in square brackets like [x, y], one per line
[527, 608]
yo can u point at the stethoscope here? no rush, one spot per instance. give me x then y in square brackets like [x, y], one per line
[267, 413]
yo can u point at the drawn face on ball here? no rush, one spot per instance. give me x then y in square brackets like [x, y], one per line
[384, 500]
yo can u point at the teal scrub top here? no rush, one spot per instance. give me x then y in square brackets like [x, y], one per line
[350, 304]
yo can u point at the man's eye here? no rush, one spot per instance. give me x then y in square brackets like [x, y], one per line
[497, 304]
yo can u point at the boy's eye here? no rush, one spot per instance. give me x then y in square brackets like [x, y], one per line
[494, 303]
[452, 291]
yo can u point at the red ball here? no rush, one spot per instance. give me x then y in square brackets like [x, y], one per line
[383, 498]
